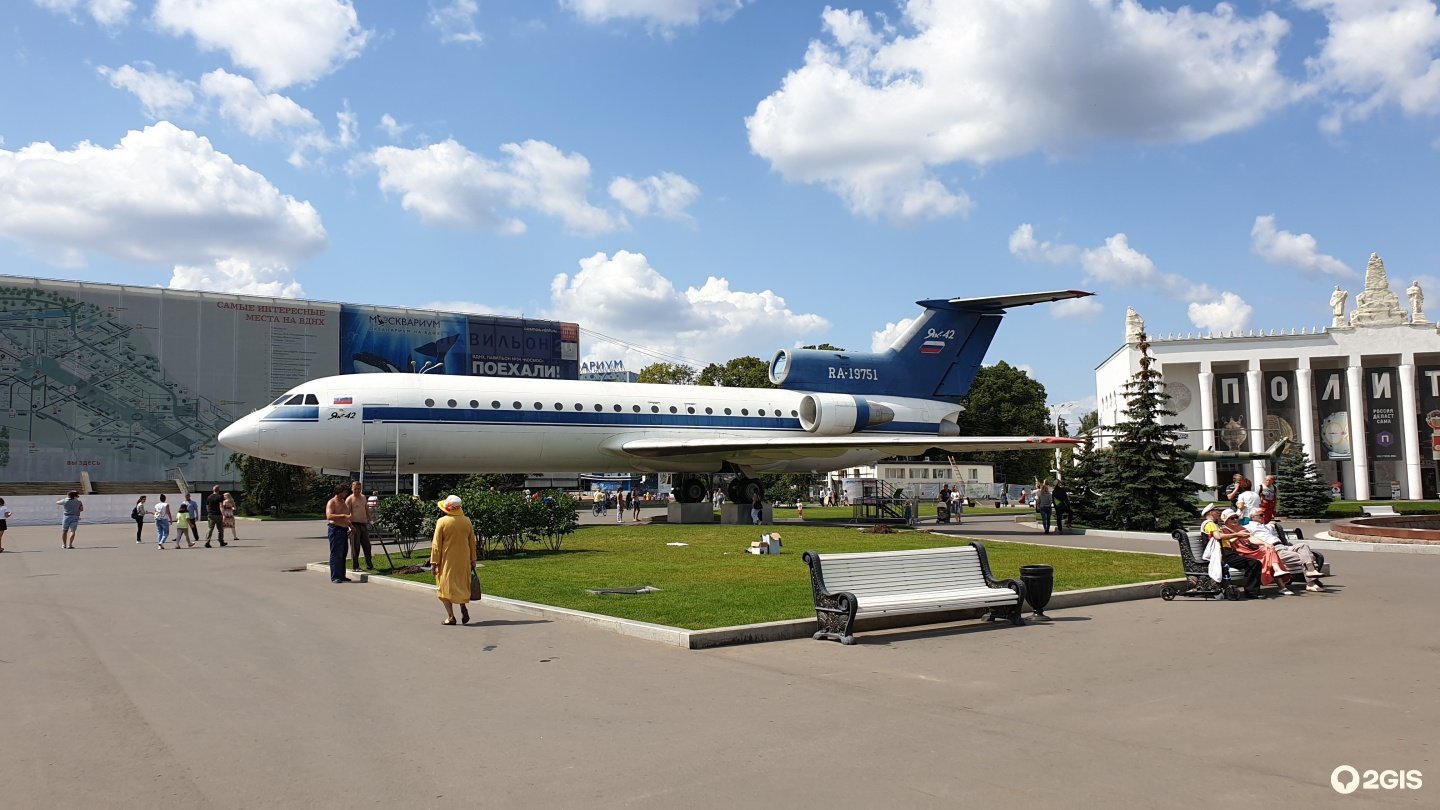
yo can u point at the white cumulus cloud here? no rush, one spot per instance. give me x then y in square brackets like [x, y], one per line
[666, 195]
[877, 112]
[1116, 263]
[455, 20]
[660, 14]
[162, 195]
[283, 42]
[1227, 313]
[1080, 308]
[394, 130]
[1294, 250]
[887, 337]
[161, 94]
[623, 297]
[238, 276]
[1376, 53]
[447, 184]
[108, 13]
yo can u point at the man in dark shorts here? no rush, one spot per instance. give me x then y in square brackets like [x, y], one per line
[212, 514]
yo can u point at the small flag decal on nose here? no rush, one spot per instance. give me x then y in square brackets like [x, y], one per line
[932, 347]
[344, 400]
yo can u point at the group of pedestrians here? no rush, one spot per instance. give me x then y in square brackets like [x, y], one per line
[347, 525]
[183, 518]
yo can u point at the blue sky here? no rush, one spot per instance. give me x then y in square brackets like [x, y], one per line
[712, 178]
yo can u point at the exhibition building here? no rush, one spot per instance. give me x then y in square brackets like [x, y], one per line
[119, 384]
[1361, 396]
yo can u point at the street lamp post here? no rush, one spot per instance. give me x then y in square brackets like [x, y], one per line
[1056, 411]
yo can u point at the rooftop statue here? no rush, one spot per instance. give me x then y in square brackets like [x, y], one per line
[1337, 306]
[1377, 305]
[1417, 302]
[1134, 325]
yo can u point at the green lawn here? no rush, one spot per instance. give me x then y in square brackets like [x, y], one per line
[712, 582]
[1344, 509]
[927, 509]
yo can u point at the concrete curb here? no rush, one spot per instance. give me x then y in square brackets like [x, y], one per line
[786, 630]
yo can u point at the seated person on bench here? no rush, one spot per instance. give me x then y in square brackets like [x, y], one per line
[1249, 569]
[1263, 531]
[1272, 570]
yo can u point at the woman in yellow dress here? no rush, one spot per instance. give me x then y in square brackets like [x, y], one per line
[452, 558]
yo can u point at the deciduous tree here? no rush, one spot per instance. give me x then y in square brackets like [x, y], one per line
[667, 374]
[1005, 401]
[742, 372]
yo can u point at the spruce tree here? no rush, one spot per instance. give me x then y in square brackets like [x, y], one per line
[1140, 482]
[1299, 489]
[1080, 480]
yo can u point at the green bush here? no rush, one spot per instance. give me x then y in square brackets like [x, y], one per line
[404, 514]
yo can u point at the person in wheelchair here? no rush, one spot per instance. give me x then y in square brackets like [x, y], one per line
[1291, 554]
[1272, 570]
[1248, 568]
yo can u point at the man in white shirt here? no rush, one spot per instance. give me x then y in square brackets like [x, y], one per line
[1296, 555]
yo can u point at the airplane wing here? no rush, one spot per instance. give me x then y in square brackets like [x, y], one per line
[805, 446]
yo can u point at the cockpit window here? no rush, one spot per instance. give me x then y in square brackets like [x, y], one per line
[296, 399]
[311, 399]
[282, 398]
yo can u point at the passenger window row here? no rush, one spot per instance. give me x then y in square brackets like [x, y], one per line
[560, 406]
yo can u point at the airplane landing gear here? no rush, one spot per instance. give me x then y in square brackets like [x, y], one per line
[691, 490]
[742, 489]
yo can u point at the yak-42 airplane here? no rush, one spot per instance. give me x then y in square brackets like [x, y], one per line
[832, 410]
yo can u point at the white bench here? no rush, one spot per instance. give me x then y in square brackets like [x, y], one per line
[1378, 511]
[878, 583]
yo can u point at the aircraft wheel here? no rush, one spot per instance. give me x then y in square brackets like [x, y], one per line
[692, 490]
[743, 490]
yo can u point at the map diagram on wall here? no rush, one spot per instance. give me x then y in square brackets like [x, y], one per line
[76, 392]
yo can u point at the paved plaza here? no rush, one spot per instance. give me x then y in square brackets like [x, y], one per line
[131, 677]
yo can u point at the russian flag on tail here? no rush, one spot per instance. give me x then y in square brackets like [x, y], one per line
[932, 347]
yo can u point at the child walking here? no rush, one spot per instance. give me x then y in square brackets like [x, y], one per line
[162, 523]
[183, 527]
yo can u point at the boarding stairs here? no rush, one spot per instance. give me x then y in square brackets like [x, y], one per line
[880, 502]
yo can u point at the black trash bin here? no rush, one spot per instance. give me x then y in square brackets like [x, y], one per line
[1039, 584]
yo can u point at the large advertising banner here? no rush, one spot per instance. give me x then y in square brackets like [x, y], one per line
[401, 340]
[1382, 417]
[1333, 414]
[133, 383]
[515, 347]
[1231, 429]
[1427, 394]
[1281, 407]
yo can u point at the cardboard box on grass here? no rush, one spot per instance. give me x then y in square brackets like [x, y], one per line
[767, 544]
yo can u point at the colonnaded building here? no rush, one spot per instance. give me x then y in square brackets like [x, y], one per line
[133, 384]
[1362, 395]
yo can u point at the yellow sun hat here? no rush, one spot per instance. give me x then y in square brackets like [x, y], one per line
[450, 505]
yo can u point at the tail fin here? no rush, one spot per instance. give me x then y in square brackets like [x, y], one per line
[936, 358]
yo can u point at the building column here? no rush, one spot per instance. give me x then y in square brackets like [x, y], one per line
[1410, 426]
[1305, 407]
[1359, 453]
[1207, 425]
[1255, 415]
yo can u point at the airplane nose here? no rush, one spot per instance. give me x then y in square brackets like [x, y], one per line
[242, 437]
